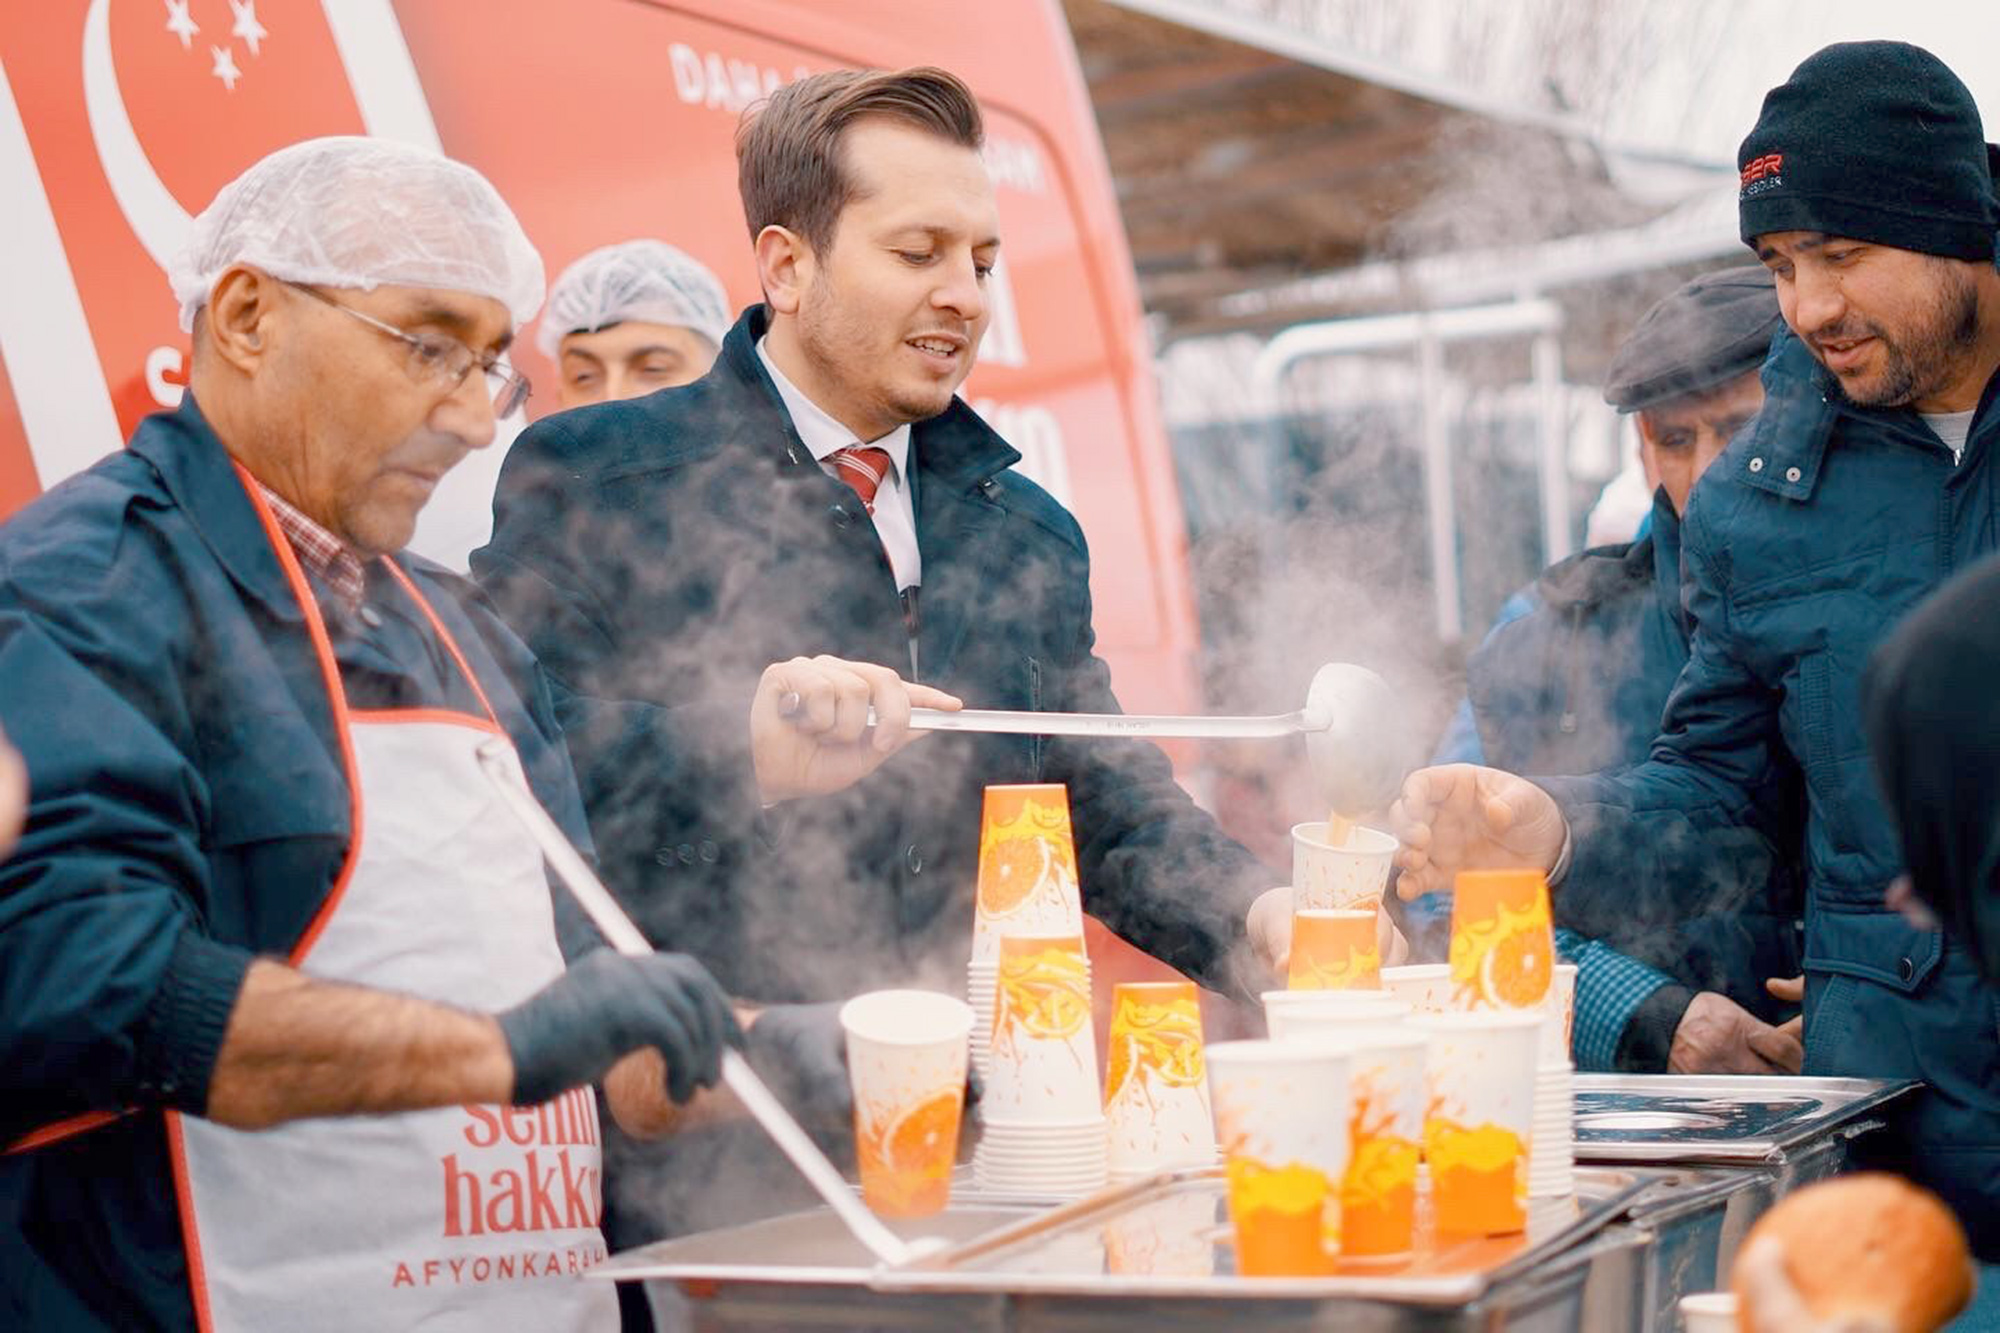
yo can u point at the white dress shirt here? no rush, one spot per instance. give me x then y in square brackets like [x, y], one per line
[895, 517]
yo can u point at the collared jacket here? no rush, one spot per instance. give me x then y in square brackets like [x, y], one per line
[1578, 685]
[657, 554]
[1821, 525]
[189, 810]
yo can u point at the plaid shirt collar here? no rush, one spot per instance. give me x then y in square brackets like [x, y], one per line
[320, 551]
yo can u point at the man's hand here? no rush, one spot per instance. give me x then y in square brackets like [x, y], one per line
[1771, 1304]
[13, 795]
[1270, 930]
[826, 745]
[1462, 817]
[577, 1027]
[801, 1051]
[1792, 990]
[1718, 1036]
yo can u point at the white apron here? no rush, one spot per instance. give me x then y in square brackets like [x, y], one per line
[475, 1217]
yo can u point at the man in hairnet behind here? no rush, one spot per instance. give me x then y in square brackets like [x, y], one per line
[630, 318]
[266, 883]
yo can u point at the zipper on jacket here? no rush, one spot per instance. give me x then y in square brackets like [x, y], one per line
[1035, 743]
[1566, 723]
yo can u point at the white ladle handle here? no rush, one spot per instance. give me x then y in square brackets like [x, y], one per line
[993, 721]
[605, 913]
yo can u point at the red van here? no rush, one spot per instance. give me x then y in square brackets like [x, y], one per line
[599, 120]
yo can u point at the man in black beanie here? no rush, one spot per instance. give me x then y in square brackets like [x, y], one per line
[1872, 473]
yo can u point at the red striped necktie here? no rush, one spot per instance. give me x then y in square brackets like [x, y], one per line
[863, 467]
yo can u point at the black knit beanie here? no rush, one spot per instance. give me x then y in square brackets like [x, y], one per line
[1873, 141]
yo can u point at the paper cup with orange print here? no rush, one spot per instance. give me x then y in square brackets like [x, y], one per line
[1281, 1116]
[1559, 1010]
[906, 1058]
[1042, 1060]
[1335, 950]
[1425, 987]
[1479, 1118]
[1350, 874]
[1027, 867]
[1155, 1082]
[1503, 948]
[1327, 1013]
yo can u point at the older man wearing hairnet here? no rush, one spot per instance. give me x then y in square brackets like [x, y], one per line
[630, 318]
[265, 884]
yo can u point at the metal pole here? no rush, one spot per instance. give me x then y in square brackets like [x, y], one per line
[1554, 448]
[1439, 504]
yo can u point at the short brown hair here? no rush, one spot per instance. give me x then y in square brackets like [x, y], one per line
[789, 165]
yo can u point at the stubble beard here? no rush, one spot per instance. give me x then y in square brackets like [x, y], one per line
[1918, 366]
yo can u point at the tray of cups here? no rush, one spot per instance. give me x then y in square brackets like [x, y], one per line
[1721, 1118]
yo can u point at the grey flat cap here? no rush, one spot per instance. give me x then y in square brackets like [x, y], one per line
[1708, 332]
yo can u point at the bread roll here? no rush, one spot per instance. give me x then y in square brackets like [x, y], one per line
[1872, 1243]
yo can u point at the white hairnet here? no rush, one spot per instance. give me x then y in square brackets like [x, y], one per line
[358, 212]
[644, 280]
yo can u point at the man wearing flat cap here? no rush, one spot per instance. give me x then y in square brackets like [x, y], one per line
[1870, 476]
[1577, 681]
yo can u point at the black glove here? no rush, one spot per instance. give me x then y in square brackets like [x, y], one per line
[801, 1051]
[608, 1005]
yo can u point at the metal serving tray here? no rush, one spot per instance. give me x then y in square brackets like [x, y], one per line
[1166, 1236]
[1719, 1118]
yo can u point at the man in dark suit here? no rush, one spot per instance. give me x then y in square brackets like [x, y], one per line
[822, 491]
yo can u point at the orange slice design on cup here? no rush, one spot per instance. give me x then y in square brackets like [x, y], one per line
[1378, 1196]
[1280, 1219]
[1478, 1183]
[906, 1157]
[1043, 991]
[1161, 1034]
[1334, 950]
[1026, 849]
[1502, 940]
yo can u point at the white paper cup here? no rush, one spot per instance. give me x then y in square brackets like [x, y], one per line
[1041, 1064]
[1027, 867]
[1425, 987]
[1282, 1112]
[1156, 1088]
[1479, 1133]
[1709, 1312]
[906, 1059]
[1561, 1015]
[1351, 875]
[1390, 1092]
[1289, 1014]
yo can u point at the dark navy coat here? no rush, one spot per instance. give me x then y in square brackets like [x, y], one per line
[658, 553]
[189, 810]
[1578, 685]
[1821, 525]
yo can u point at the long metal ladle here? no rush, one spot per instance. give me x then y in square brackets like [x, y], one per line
[495, 760]
[1352, 722]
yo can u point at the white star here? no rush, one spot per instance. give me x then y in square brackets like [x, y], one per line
[225, 66]
[247, 27]
[180, 24]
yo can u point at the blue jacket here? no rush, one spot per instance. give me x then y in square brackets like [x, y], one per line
[1820, 526]
[189, 810]
[658, 553]
[1579, 686]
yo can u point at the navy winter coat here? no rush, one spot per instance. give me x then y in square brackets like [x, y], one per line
[1820, 526]
[658, 553]
[189, 810]
[1578, 685]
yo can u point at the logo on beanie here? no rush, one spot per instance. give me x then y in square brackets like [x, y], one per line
[1762, 174]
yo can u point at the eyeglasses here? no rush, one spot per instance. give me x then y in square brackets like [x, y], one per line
[438, 360]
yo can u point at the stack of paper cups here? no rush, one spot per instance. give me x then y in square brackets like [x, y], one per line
[1156, 1084]
[1045, 1131]
[1552, 1161]
[1027, 886]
